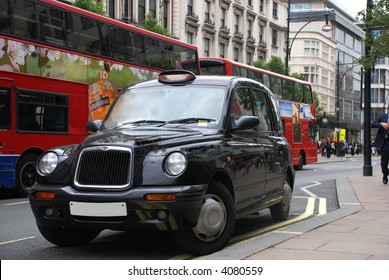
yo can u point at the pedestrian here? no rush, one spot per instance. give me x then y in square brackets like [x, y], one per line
[345, 147]
[328, 149]
[381, 142]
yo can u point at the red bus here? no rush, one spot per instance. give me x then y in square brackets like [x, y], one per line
[296, 102]
[60, 61]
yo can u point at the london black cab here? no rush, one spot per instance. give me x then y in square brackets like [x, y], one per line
[184, 153]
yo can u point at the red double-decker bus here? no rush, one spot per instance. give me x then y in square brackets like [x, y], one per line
[59, 67]
[296, 103]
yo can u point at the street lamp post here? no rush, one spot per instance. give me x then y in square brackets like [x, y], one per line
[367, 167]
[326, 28]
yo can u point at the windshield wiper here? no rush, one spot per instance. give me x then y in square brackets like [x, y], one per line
[144, 122]
[192, 120]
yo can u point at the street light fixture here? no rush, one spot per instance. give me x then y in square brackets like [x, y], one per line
[326, 28]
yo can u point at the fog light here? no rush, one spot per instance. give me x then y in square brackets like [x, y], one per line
[48, 212]
[162, 215]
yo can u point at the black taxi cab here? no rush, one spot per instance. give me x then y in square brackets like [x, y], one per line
[183, 153]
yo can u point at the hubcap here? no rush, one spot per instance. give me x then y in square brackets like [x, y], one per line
[28, 175]
[212, 219]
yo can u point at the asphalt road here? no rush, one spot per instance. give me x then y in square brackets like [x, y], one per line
[314, 195]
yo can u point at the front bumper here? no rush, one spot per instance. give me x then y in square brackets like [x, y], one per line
[181, 213]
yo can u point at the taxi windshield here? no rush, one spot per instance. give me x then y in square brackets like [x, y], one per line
[192, 105]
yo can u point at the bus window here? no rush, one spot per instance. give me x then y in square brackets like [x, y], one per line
[276, 86]
[308, 94]
[266, 80]
[41, 112]
[288, 90]
[5, 112]
[52, 26]
[87, 35]
[24, 19]
[5, 25]
[298, 92]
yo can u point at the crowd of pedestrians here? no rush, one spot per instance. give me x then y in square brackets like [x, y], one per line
[328, 147]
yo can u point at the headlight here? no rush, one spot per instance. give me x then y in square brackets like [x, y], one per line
[47, 163]
[175, 164]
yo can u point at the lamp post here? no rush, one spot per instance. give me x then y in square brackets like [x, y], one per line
[326, 28]
[367, 167]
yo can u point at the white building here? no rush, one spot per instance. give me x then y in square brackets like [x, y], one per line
[242, 30]
[329, 60]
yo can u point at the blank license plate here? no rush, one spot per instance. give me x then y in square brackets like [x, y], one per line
[91, 209]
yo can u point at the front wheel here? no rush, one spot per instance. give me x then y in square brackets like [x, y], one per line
[215, 224]
[25, 174]
[280, 211]
[67, 236]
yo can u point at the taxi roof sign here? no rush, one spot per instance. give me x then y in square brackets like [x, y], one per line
[176, 77]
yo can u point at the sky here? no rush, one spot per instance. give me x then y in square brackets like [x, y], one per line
[353, 6]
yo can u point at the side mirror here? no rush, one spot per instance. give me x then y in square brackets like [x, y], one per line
[244, 122]
[94, 126]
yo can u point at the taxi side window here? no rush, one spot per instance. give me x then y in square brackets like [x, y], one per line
[241, 103]
[262, 109]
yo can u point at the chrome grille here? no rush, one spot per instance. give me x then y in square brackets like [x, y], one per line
[104, 167]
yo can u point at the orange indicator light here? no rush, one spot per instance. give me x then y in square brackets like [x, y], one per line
[44, 195]
[160, 197]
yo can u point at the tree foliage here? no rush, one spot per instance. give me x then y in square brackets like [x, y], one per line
[377, 32]
[95, 6]
[152, 24]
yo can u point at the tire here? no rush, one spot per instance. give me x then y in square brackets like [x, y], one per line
[25, 175]
[206, 238]
[301, 162]
[280, 211]
[66, 236]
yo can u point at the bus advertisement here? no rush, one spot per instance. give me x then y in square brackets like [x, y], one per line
[296, 102]
[60, 61]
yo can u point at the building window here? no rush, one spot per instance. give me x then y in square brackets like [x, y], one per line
[206, 46]
[190, 7]
[340, 36]
[261, 6]
[111, 8]
[165, 13]
[250, 3]
[222, 17]
[236, 25]
[274, 37]
[236, 54]
[152, 8]
[311, 48]
[207, 11]
[189, 37]
[275, 9]
[141, 11]
[127, 6]
[249, 28]
[249, 58]
[222, 50]
[349, 41]
[261, 38]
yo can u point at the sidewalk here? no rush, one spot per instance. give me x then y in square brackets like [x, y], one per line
[358, 230]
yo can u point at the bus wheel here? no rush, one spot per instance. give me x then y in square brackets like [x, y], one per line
[215, 226]
[301, 162]
[67, 236]
[25, 174]
[280, 211]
